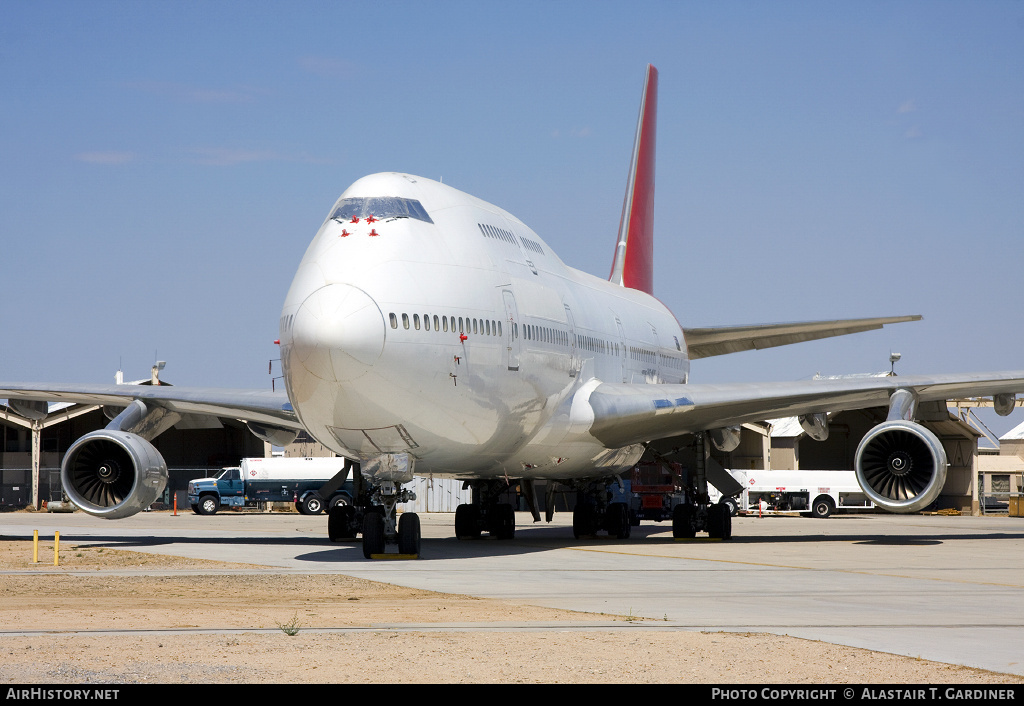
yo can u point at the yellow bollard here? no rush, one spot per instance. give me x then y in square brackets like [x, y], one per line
[56, 546]
[35, 546]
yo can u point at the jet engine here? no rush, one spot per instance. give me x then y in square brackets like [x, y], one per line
[113, 474]
[901, 466]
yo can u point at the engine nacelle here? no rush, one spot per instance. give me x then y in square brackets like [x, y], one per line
[113, 474]
[901, 466]
[726, 439]
[272, 435]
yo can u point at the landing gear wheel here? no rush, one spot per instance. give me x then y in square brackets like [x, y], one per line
[409, 533]
[311, 504]
[504, 523]
[340, 523]
[682, 521]
[373, 534]
[467, 522]
[619, 521]
[583, 521]
[719, 522]
[208, 505]
[822, 507]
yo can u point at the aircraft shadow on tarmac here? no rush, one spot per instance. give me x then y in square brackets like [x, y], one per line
[528, 540]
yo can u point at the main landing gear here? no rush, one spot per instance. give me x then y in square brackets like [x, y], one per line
[594, 512]
[688, 519]
[485, 513]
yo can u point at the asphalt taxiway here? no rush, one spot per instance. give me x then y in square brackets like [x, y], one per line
[949, 589]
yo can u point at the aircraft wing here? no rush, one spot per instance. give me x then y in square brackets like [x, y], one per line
[719, 340]
[260, 406]
[633, 413]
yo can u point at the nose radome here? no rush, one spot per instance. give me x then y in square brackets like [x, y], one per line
[338, 332]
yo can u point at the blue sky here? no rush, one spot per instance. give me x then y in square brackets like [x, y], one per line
[163, 165]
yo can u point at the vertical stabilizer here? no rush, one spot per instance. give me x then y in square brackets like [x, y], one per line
[633, 266]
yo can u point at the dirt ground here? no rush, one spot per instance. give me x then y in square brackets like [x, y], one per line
[213, 627]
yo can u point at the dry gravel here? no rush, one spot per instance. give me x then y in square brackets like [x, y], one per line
[227, 623]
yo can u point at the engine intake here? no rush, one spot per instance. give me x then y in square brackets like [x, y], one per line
[901, 466]
[113, 474]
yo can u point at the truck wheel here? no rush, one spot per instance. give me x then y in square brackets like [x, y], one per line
[409, 533]
[208, 505]
[822, 507]
[732, 504]
[340, 501]
[195, 508]
[373, 534]
[311, 504]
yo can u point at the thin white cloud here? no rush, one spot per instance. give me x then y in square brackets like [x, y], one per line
[907, 106]
[913, 133]
[105, 157]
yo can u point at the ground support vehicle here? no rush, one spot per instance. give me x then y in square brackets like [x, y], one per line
[255, 481]
[816, 493]
[656, 488]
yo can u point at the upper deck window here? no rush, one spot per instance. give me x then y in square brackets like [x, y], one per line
[379, 207]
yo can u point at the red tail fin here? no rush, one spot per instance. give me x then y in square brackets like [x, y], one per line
[633, 265]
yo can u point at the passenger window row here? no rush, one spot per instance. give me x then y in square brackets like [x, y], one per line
[545, 334]
[480, 327]
[643, 355]
[532, 245]
[509, 237]
[497, 233]
[670, 361]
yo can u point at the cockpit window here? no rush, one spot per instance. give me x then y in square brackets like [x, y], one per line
[380, 207]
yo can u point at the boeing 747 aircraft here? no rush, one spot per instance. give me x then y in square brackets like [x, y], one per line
[429, 332]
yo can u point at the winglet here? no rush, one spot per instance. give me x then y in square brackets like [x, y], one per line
[633, 265]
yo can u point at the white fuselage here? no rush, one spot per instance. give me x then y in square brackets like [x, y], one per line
[444, 328]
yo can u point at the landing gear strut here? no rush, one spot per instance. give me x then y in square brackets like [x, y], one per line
[698, 514]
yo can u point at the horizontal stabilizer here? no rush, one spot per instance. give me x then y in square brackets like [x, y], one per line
[720, 340]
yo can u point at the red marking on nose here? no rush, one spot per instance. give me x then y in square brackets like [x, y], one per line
[344, 233]
[463, 337]
[355, 219]
[374, 232]
[371, 219]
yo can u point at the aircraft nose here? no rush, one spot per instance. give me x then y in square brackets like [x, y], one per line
[338, 332]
